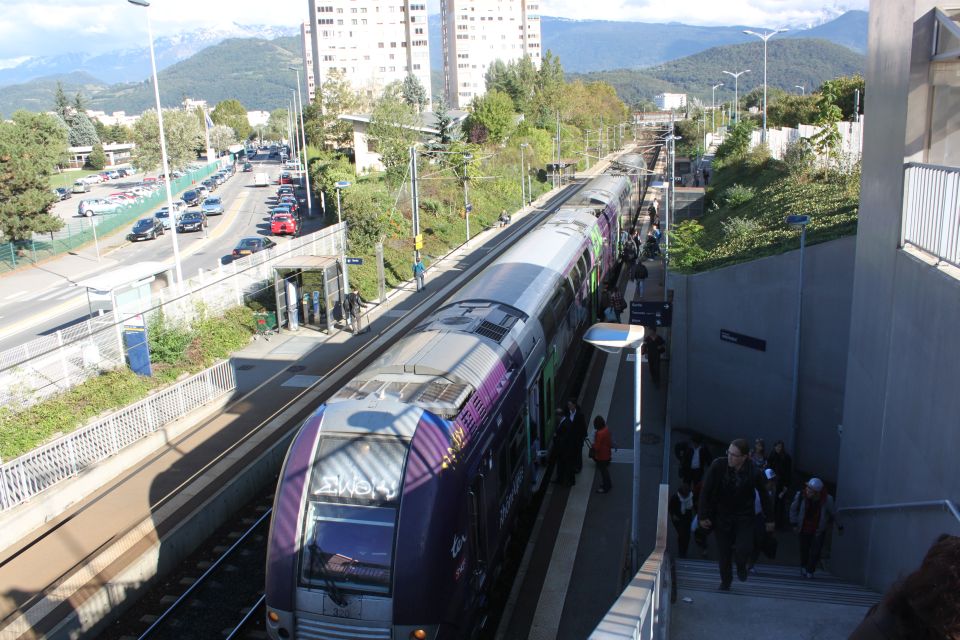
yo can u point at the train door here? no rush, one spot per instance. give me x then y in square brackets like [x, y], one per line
[478, 532]
[548, 401]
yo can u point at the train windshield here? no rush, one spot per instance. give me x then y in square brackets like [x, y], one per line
[348, 536]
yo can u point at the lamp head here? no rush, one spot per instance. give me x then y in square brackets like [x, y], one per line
[612, 337]
[139, 3]
[797, 220]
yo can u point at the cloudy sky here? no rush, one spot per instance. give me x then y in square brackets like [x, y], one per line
[45, 27]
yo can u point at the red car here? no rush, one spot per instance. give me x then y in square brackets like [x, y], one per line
[284, 178]
[283, 224]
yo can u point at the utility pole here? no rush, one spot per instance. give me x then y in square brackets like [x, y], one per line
[559, 180]
[415, 197]
[466, 190]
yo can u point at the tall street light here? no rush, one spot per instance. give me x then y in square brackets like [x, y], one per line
[736, 93]
[467, 157]
[800, 222]
[803, 89]
[612, 338]
[163, 143]
[764, 36]
[523, 177]
[303, 144]
[713, 103]
[342, 184]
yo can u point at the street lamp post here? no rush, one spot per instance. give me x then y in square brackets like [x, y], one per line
[803, 89]
[163, 143]
[612, 338]
[713, 103]
[467, 157]
[736, 92]
[523, 194]
[801, 222]
[342, 184]
[764, 36]
[303, 145]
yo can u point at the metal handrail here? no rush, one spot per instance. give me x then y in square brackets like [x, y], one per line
[893, 506]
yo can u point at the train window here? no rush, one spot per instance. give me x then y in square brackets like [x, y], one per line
[548, 323]
[365, 471]
[503, 469]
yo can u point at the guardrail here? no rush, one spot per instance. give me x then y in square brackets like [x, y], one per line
[931, 210]
[949, 505]
[643, 609]
[25, 477]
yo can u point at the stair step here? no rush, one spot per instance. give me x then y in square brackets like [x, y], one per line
[776, 581]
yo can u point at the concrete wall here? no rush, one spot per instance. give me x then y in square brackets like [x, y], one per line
[730, 391]
[901, 411]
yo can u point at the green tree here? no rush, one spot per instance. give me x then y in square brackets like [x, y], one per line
[117, 133]
[394, 128]
[82, 131]
[548, 92]
[842, 93]
[183, 135]
[221, 137]
[413, 93]
[326, 169]
[97, 159]
[790, 110]
[61, 103]
[322, 122]
[444, 121]
[30, 147]
[277, 125]
[737, 140]
[493, 111]
[827, 139]
[232, 114]
[685, 249]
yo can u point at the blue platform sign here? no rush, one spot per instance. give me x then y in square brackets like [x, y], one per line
[469, 208]
[651, 314]
[354, 260]
[138, 353]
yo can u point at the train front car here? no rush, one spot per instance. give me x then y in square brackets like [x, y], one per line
[384, 522]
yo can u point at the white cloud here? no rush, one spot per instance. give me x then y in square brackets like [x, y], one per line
[46, 27]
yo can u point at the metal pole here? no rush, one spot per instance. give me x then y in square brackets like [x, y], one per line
[794, 392]
[303, 145]
[466, 195]
[637, 429]
[414, 190]
[763, 136]
[96, 243]
[163, 148]
[523, 196]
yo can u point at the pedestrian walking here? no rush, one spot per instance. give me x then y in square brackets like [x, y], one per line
[728, 508]
[812, 514]
[602, 452]
[355, 305]
[651, 348]
[694, 462]
[681, 512]
[782, 465]
[640, 275]
[759, 453]
[575, 415]
[564, 443]
[418, 273]
[763, 541]
[615, 303]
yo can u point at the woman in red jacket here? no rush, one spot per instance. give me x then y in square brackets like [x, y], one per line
[602, 445]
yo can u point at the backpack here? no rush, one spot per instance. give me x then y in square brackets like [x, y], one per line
[640, 273]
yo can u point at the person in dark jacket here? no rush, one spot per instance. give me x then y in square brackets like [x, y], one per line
[354, 307]
[696, 458]
[924, 605]
[653, 347]
[728, 508]
[782, 466]
[575, 415]
[812, 514]
[603, 453]
[564, 443]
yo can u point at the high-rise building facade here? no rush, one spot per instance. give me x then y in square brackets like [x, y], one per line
[306, 39]
[373, 43]
[478, 32]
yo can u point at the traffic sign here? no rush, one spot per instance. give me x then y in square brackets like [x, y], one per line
[651, 314]
[469, 208]
[342, 184]
[418, 241]
[354, 260]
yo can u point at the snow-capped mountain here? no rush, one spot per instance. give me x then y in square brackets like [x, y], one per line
[130, 65]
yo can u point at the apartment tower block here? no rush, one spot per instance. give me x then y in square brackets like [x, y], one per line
[373, 43]
[478, 32]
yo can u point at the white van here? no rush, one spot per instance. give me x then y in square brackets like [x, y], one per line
[80, 186]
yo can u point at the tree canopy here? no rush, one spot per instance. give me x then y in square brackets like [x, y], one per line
[413, 93]
[232, 114]
[493, 114]
[221, 137]
[183, 135]
[31, 145]
[393, 127]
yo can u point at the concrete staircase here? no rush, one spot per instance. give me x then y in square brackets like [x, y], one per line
[776, 602]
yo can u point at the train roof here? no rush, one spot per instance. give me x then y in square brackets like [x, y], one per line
[378, 416]
[600, 191]
[630, 162]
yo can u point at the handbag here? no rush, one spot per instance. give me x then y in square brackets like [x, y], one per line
[591, 450]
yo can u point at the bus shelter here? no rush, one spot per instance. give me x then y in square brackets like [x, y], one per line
[308, 292]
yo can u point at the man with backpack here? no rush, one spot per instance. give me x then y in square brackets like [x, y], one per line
[354, 306]
[640, 274]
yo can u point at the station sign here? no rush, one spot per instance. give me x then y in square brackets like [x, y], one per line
[354, 260]
[651, 313]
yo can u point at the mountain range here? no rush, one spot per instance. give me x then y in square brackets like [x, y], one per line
[212, 65]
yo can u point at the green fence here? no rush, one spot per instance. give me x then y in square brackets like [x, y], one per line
[80, 231]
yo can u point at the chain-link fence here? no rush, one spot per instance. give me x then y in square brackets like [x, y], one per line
[42, 468]
[47, 365]
[81, 231]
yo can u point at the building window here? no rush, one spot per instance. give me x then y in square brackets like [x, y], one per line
[325, 21]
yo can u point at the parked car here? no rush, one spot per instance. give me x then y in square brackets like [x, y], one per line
[191, 197]
[290, 201]
[93, 178]
[285, 178]
[145, 229]
[218, 179]
[114, 174]
[80, 186]
[104, 176]
[284, 224]
[93, 206]
[247, 167]
[62, 193]
[212, 206]
[203, 191]
[191, 221]
[246, 246]
[210, 184]
[163, 215]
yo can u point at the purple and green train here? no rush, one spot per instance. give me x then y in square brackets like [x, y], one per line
[398, 495]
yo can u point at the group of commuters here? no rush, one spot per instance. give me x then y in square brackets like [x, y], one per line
[742, 498]
[570, 437]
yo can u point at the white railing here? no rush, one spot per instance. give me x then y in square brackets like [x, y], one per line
[23, 478]
[51, 364]
[642, 612]
[931, 210]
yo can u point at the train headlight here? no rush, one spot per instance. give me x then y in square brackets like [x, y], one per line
[418, 634]
[272, 616]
